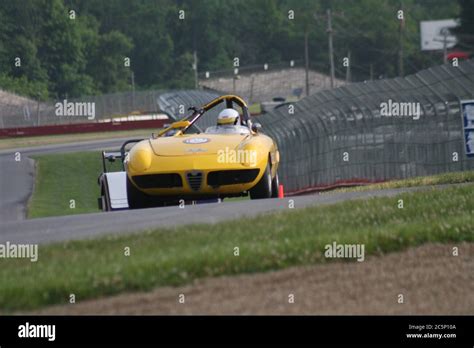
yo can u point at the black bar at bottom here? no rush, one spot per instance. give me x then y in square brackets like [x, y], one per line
[139, 330]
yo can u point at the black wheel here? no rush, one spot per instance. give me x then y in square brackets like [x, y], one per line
[103, 203]
[136, 198]
[264, 187]
[275, 186]
[102, 200]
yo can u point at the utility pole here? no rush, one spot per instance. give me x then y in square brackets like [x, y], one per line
[38, 111]
[133, 89]
[348, 68]
[195, 32]
[444, 31]
[400, 41]
[195, 68]
[306, 60]
[331, 51]
[252, 81]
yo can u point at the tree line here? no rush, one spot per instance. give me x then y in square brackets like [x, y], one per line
[71, 48]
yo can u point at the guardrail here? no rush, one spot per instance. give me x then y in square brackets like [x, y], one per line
[80, 128]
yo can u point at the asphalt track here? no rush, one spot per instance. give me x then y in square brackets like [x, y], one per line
[17, 183]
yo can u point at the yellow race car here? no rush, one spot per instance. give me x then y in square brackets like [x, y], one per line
[181, 163]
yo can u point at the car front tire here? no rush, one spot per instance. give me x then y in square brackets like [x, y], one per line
[275, 186]
[136, 198]
[263, 189]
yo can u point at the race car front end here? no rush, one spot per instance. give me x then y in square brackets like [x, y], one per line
[196, 172]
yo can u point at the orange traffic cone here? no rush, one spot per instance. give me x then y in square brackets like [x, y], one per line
[281, 193]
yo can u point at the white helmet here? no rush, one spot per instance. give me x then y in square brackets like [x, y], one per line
[228, 117]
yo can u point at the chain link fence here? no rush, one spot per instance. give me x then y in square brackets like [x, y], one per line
[257, 84]
[105, 107]
[345, 134]
[176, 105]
[117, 106]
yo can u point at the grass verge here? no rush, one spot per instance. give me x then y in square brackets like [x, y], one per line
[161, 257]
[439, 179]
[61, 178]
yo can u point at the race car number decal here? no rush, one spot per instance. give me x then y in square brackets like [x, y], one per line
[197, 141]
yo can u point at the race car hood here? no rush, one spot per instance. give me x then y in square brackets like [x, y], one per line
[196, 144]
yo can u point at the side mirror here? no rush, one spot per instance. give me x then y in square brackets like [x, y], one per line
[256, 127]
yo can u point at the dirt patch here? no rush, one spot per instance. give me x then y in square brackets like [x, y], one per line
[430, 278]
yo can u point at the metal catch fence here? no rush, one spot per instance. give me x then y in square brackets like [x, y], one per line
[377, 130]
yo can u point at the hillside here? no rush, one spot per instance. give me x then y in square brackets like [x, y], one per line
[264, 86]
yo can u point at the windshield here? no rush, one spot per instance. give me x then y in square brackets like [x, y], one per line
[232, 129]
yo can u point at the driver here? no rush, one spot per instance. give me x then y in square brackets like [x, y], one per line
[228, 117]
[228, 122]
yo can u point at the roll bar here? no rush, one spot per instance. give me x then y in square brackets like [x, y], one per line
[229, 99]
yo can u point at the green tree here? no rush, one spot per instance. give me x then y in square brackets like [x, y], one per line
[61, 51]
[22, 86]
[20, 42]
[107, 65]
[85, 55]
[465, 32]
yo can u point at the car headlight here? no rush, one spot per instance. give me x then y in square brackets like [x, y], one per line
[140, 160]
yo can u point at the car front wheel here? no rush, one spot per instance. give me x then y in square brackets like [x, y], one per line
[263, 189]
[275, 186]
[136, 198]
